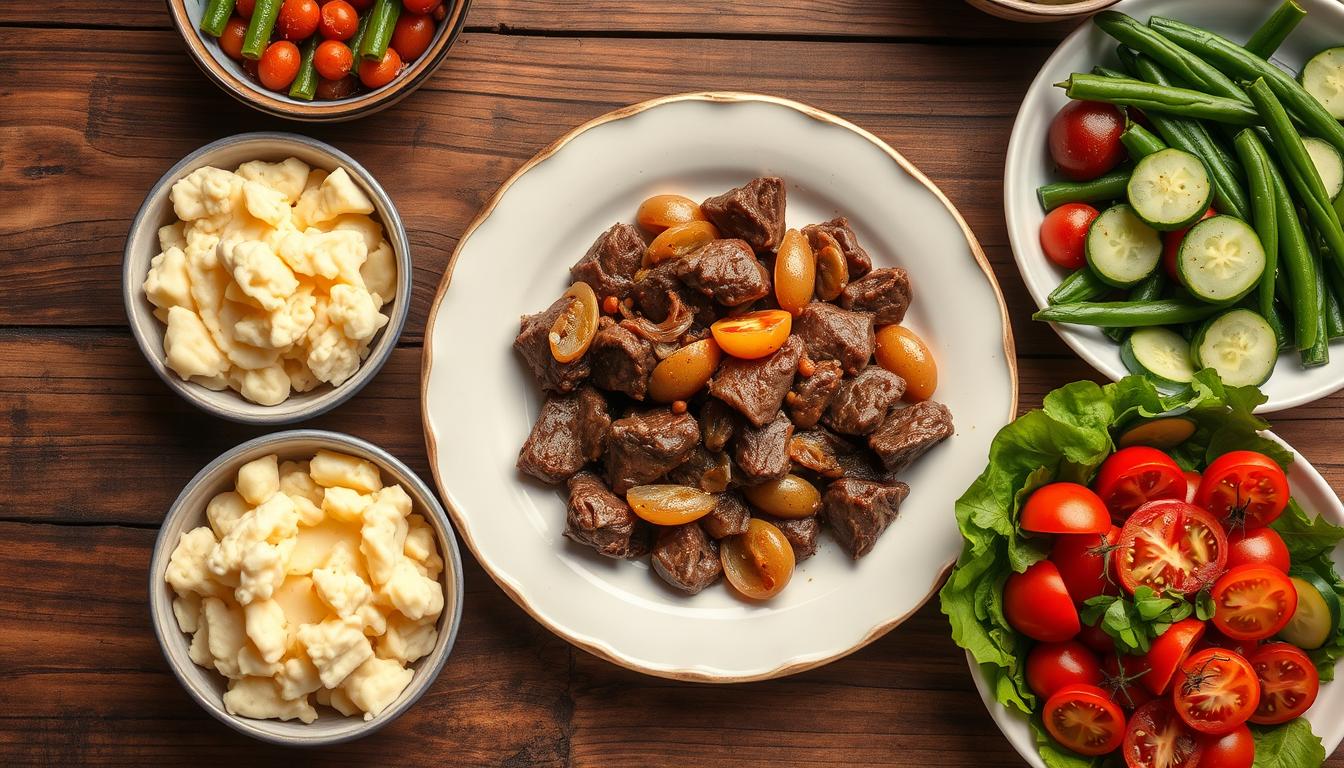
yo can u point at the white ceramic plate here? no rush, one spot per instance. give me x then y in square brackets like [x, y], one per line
[1029, 165]
[1326, 715]
[479, 399]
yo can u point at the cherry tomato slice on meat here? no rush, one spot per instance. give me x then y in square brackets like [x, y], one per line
[1084, 719]
[1216, 691]
[1085, 139]
[1065, 508]
[1289, 683]
[1086, 562]
[1037, 604]
[1156, 738]
[1231, 750]
[1064, 232]
[753, 335]
[1259, 546]
[1253, 602]
[1170, 545]
[1167, 653]
[1134, 476]
[1244, 488]
[1052, 666]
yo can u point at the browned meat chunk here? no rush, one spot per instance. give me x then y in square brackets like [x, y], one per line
[727, 271]
[621, 360]
[756, 388]
[651, 295]
[535, 347]
[832, 456]
[610, 264]
[728, 518]
[858, 511]
[863, 401]
[754, 212]
[909, 433]
[762, 453]
[837, 232]
[801, 534]
[717, 424]
[710, 471]
[811, 395]
[570, 431]
[884, 292]
[602, 520]
[830, 333]
[644, 446]
[686, 558]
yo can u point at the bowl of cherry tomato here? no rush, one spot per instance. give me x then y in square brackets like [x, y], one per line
[319, 60]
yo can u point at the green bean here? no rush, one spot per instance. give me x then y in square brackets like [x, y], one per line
[1276, 29]
[1108, 187]
[1263, 216]
[1079, 285]
[1128, 314]
[383, 18]
[1319, 352]
[1334, 318]
[1140, 141]
[216, 17]
[1150, 289]
[1298, 274]
[259, 29]
[305, 82]
[1190, 69]
[1108, 72]
[1236, 61]
[1153, 98]
[357, 39]
[1335, 284]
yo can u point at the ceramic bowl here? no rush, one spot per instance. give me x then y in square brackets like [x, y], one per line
[1034, 12]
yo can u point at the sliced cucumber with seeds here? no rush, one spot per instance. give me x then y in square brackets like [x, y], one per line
[1240, 345]
[1329, 164]
[1160, 354]
[1170, 189]
[1323, 77]
[1120, 248]
[1221, 259]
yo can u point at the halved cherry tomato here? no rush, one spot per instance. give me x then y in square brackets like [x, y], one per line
[333, 59]
[670, 504]
[1083, 719]
[661, 212]
[412, 35]
[1052, 666]
[1171, 545]
[1289, 683]
[1216, 691]
[339, 20]
[279, 65]
[574, 329]
[1064, 508]
[231, 42]
[679, 240]
[1192, 479]
[758, 563]
[905, 354]
[1134, 476]
[1064, 232]
[1252, 602]
[1167, 653]
[1038, 605]
[376, 74]
[1231, 750]
[1085, 139]
[1244, 488]
[297, 20]
[1262, 546]
[1156, 738]
[1086, 562]
[685, 372]
[1171, 248]
[753, 335]
[1121, 677]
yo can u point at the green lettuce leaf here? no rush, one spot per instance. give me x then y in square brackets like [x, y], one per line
[1291, 745]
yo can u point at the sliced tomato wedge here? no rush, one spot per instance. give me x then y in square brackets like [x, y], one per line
[1289, 683]
[1171, 545]
[1167, 653]
[1134, 476]
[1244, 489]
[1156, 738]
[1253, 602]
[1217, 691]
[1083, 719]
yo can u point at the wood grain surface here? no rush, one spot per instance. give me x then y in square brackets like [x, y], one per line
[96, 101]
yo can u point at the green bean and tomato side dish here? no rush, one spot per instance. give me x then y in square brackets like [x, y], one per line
[328, 50]
[1200, 213]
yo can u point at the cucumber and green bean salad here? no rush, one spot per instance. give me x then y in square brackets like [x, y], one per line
[1199, 211]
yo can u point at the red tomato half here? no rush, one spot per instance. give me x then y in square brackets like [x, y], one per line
[1085, 139]
[1167, 653]
[1065, 508]
[1086, 562]
[1064, 233]
[1171, 545]
[1156, 738]
[1231, 750]
[1289, 683]
[1216, 691]
[1244, 488]
[1083, 719]
[1134, 476]
[1037, 604]
[1052, 666]
[1252, 602]
[1121, 676]
[1259, 546]
[1171, 248]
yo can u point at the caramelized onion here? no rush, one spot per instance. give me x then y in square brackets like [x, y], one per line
[678, 322]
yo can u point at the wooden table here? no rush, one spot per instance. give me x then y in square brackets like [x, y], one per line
[97, 100]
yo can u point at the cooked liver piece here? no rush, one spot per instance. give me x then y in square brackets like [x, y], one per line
[717, 423]
[644, 446]
[831, 333]
[858, 511]
[753, 212]
[535, 347]
[610, 264]
[650, 295]
[570, 431]
[709, 471]
[762, 453]
[829, 455]
[863, 401]
[602, 520]
[756, 388]
[884, 292]
[909, 432]
[801, 534]
[686, 558]
[811, 395]
[621, 360]
[726, 271]
[837, 229]
[728, 518]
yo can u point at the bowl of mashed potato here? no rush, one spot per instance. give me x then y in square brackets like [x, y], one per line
[267, 277]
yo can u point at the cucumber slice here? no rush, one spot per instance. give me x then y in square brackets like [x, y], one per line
[1240, 345]
[1317, 615]
[1164, 433]
[1120, 248]
[1323, 77]
[1329, 164]
[1160, 354]
[1170, 189]
[1221, 259]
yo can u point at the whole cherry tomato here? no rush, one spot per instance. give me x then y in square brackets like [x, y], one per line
[376, 74]
[1258, 546]
[412, 35]
[1052, 666]
[279, 65]
[339, 20]
[1064, 234]
[333, 59]
[1085, 139]
[297, 20]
